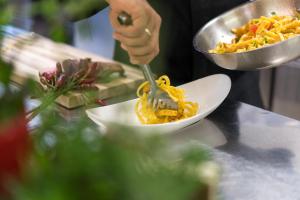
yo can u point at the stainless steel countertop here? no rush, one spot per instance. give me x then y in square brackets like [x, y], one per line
[259, 151]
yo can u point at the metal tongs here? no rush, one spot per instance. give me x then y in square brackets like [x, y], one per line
[158, 98]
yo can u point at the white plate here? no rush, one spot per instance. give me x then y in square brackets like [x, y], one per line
[208, 92]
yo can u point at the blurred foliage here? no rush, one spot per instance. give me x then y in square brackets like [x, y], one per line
[7, 12]
[57, 13]
[73, 161]
[10, 102]
[54, 9]
[11, 97]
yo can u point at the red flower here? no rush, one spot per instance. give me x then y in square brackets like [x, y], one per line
[14, 146]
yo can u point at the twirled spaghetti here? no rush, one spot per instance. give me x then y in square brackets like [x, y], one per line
[147, 115]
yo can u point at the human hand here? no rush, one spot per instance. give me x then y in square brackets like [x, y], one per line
[141, 39]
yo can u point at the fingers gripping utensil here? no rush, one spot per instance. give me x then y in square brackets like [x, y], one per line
[158, 98]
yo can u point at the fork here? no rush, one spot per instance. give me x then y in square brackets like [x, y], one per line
[157, 98]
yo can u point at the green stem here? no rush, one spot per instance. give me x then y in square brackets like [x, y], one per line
[47, 101]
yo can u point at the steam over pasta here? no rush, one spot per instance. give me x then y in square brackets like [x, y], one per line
[259, 33]
[147, 115]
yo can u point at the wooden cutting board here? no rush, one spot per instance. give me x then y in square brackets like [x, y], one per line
[32, 53]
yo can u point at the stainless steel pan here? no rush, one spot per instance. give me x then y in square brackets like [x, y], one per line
[219, 29]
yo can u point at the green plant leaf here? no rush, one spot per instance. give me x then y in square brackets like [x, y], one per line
[6, 72]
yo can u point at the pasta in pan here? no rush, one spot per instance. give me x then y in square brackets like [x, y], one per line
[260, 32]
[147, 115]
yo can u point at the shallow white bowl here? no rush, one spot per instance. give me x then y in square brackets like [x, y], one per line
[208, 92]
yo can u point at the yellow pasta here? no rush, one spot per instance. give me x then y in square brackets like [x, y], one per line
[147, 115]
[260, 32]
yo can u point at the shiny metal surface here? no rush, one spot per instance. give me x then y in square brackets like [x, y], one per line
[258, 151]
[261, 158]
[219, 29]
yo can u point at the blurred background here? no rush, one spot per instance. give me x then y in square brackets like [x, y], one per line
[279, 87]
